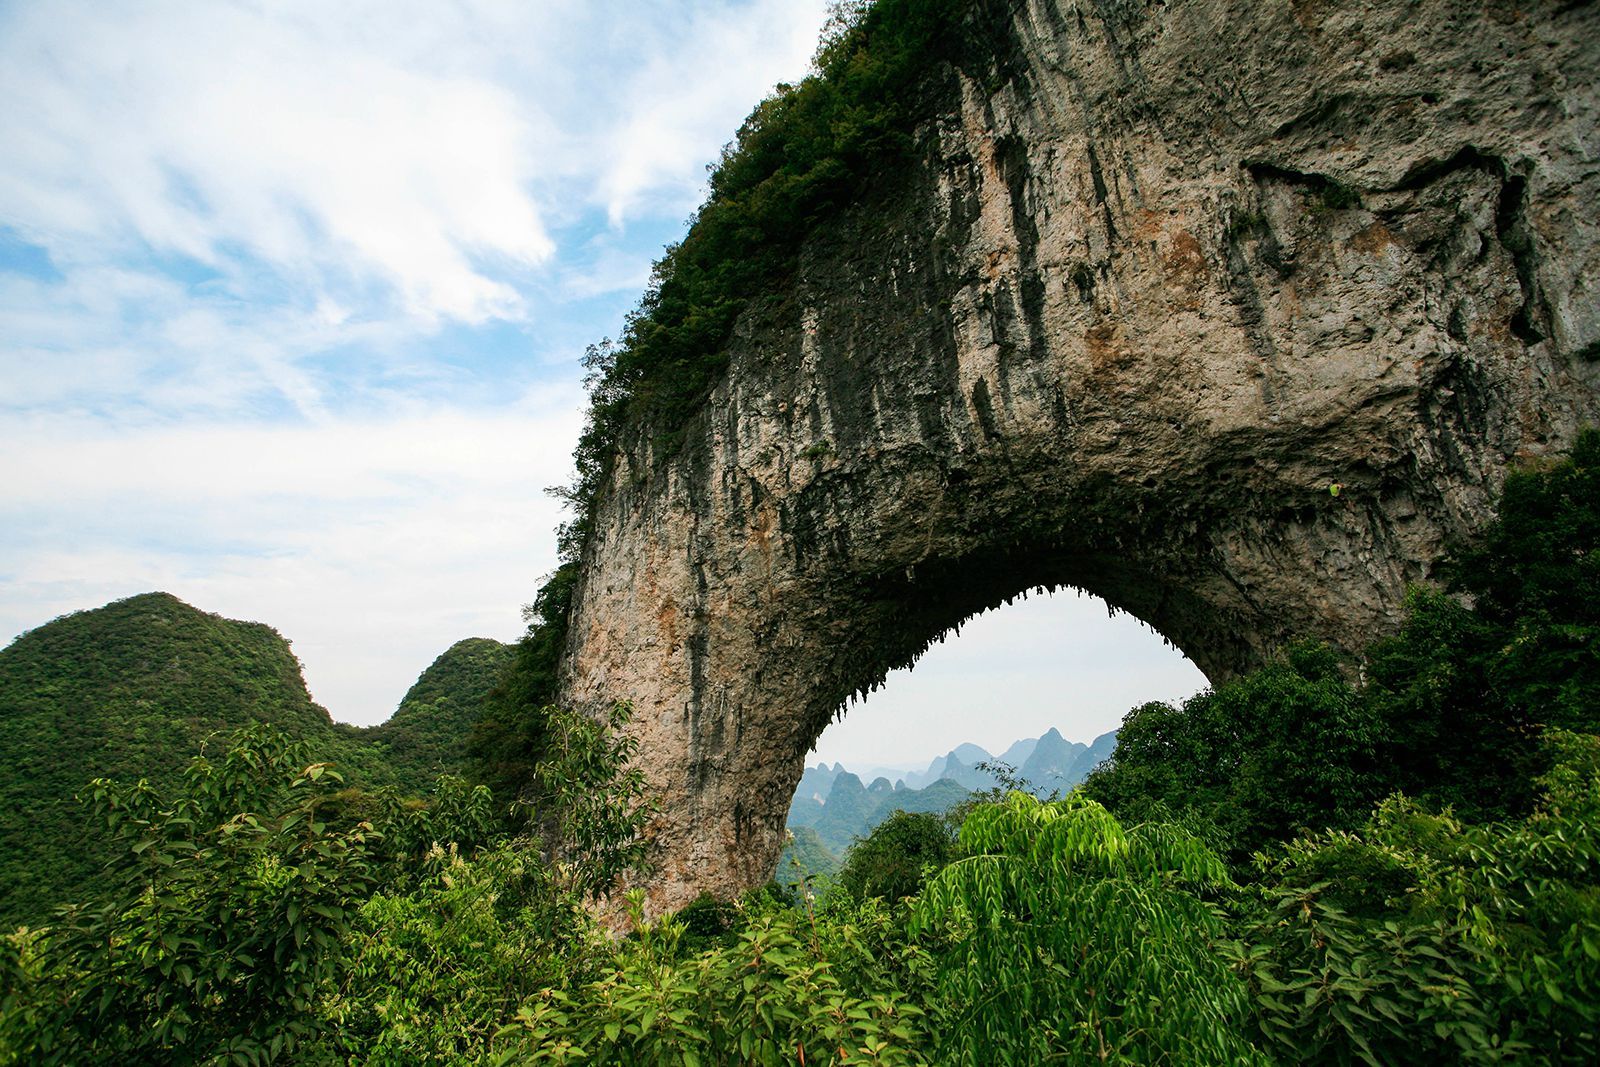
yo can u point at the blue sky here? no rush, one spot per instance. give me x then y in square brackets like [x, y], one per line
[292, 297]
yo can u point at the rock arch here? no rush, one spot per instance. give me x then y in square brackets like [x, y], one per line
[1165, 274]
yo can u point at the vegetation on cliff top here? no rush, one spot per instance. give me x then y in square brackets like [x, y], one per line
[803, 154]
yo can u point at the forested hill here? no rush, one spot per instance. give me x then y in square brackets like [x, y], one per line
[427, 735]
[135, 688]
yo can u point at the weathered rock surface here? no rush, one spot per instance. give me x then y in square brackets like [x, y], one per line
[1165, 273]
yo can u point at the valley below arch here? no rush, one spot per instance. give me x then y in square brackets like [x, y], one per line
[1230, 316]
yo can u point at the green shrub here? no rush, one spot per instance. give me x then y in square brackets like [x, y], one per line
[226, 924]
[1287, 748]
[772, 997]
[434, 974]
[897, 856]
[1072, 938]
[1464, 692]
[1481, 944]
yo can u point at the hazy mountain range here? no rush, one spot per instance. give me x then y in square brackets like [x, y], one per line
[839, 806]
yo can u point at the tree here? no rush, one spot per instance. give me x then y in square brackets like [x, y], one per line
[1072, 938]
[1424, 938]
[901, 852]
[226, 922]
[1512, 647]
[1287, 748]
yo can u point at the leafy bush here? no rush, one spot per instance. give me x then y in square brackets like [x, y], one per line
[266, 911]
[893, 861]
[226, 923]
[1071, 937]
[1482, 945]
[434, 974]
[1464, 691]
[1287, 748]
[772, 997]
[1330, 988]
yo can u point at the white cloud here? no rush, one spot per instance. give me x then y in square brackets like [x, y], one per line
[420, 146]
[372, 545]
[684, 103]
[231, 189]
[207, 129]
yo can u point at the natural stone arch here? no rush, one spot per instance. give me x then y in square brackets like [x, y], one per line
[1164, 275]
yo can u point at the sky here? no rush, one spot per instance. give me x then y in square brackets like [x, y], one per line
[293, 297]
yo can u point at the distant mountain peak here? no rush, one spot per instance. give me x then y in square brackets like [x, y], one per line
[970, 754]
[844, 784]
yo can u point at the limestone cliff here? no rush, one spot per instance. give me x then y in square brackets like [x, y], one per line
[1163, 274]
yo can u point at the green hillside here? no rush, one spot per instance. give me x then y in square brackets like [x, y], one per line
[134, 689]
[427, 734]
[806, 861]
[131, 690]
[853, 810]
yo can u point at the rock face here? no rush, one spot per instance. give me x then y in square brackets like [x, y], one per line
[1164, 274]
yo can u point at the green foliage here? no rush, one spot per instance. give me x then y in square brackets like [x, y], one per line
[454, 812]
[428, 734]
[509, 740]
[707, 921]
[129, 690]
[225, 923]
[893, 861]
[1071, 937]
[266, 912]
[433, 975]
[587, 799]
[1330, 988]
[26, 1012]
[1481, 943]
[774, 996]
[1535, 566]
[1465, 692]
[1451, 737]
[289, 933]
[1287, 748]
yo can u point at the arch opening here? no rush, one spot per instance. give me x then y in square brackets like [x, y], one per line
[890, 625]
[1040, 683]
